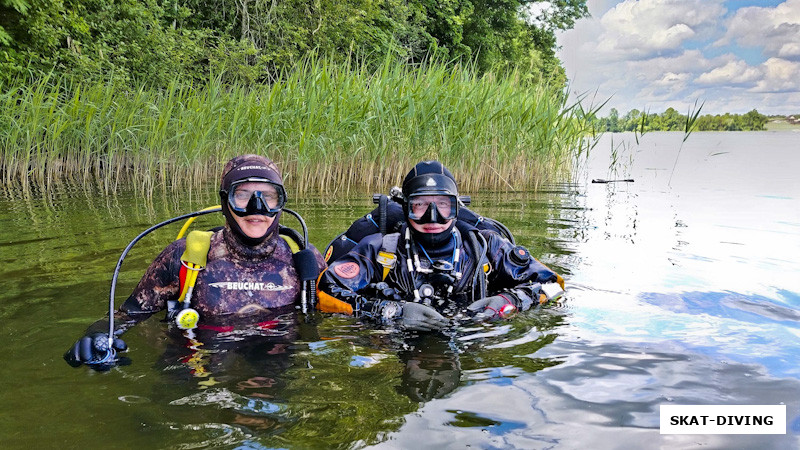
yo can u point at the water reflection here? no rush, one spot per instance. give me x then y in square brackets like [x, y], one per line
[681, 291]
[432, 368]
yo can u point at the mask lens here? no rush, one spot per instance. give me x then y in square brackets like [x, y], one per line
[418, 207]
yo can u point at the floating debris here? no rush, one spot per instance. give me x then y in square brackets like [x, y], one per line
[600, 180]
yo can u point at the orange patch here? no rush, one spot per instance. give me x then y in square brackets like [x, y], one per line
[347, 270]
[328, 254]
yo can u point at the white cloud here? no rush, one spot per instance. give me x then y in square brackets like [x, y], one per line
[646, 28]
[655, 54]
[535, 11]
[776, 30]
[688, 61]
[734, 72]
[780, 75]
[673, 79]
[790, 50]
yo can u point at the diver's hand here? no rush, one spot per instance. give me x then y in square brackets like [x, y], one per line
[413, 316]
[94, 351]
[419, 317]
[492, 308]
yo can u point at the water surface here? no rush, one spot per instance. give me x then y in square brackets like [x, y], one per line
[683, 289]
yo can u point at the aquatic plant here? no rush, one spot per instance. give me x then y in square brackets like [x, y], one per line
[331, 127]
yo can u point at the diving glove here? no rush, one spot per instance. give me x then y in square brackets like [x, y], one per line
[94, 351]
[493, 308]
[412, 316]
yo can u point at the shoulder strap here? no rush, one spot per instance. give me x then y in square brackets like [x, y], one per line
[292, 244]
[473, 239]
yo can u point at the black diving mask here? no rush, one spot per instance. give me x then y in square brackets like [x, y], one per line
[432, 208]
[256, 196]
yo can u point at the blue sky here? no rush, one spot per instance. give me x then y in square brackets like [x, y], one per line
[733, 55]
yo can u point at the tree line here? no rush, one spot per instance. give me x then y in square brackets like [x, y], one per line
[672, 120]
[249, 41]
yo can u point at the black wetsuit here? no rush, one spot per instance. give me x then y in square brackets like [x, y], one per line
[354, 278]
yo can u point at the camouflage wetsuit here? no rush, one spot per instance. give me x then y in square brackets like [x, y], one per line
[250, 277]
[239, 282]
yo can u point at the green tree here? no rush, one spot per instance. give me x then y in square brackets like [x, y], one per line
[672, 120]
[11, 11]
[753, 120]
[255, 40]
[128, 39]
[613, 121]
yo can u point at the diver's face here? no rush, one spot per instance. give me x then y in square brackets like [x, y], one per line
[254, 226]
[430, 227]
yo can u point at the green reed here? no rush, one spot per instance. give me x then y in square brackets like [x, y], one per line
[330, 127]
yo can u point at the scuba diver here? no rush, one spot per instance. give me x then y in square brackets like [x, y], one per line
[435, 266]
[247, 273]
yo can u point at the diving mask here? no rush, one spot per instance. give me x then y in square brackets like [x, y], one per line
[256, 196]
[432, 208]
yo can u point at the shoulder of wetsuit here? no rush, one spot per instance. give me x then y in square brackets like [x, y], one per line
[465, 227]
[369, 224]
[466, 215]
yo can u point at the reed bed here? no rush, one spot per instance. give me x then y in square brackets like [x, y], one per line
[329, 127]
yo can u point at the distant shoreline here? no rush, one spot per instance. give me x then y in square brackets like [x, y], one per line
[781, 125]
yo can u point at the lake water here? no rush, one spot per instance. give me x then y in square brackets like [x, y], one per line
[683, 289]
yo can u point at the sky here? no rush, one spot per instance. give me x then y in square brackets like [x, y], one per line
[729, 55]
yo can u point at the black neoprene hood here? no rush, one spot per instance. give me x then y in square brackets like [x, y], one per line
[429, 178]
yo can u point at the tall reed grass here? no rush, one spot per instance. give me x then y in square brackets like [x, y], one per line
[329, 127]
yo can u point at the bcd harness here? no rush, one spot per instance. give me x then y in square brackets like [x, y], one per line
[196, 256]
[387, 259]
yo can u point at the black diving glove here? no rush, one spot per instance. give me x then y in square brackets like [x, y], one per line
[493, 308]
[94, 351]
[412, 316]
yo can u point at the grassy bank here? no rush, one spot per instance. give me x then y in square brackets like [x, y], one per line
[782, 125]
[329, 127]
